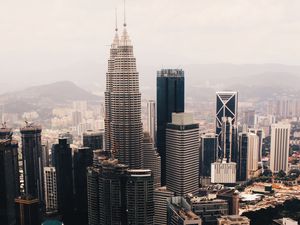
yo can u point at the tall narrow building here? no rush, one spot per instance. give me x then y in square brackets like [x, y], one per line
[169, 99]
[151, 159]
[123, 126]
[182, 144]
[226, 106]
[50, 189]
[248, 155]
[62, 153]
[151, 120]
[32, 160]
[208, 153]
[9, 181]
[83, 158]
[280, 142]
[139, 193]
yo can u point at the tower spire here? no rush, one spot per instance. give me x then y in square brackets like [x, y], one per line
[124, 24]
[116, 15]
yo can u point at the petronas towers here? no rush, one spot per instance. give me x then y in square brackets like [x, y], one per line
[123, 126]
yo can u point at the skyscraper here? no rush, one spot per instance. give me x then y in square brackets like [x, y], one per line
[151, 159]
[226, 106]
[160, 197]
[280, 142]
[139, 193]
[208, 155]
[248, 155]
[93, 139]
[112, 193]
[62, 154]
[123, 126]
[9, 180]
[151, 120]
[83, 158]
[261, 135]
[32, 160]
[93, 195]
[182, 145]
[13, 145]
[50, 189]
[169, 99]
[27, 210]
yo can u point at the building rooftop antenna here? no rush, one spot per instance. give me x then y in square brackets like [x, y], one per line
[116, 17]
[124, 14]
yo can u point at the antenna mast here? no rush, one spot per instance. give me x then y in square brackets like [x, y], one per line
[124, 14]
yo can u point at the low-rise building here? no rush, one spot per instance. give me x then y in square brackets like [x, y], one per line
[233, 220]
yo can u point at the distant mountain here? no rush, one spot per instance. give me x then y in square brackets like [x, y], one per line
[45, 96]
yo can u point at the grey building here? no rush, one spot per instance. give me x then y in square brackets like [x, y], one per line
[160, 197]
[151, 159]
[182, 145]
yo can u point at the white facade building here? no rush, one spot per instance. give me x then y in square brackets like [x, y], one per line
[280, 139]
[223, 172]
[50, 189]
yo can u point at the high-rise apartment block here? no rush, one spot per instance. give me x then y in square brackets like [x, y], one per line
[50, 189]
[280, 142]
[182, 154]
[169, 99]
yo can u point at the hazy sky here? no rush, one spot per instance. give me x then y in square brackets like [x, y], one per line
[51, 39]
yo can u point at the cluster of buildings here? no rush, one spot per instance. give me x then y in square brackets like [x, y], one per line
[128, 176]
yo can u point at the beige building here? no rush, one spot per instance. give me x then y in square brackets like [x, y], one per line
[233, 220]
[280, 138]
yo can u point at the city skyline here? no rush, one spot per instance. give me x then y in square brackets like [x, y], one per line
[213, 152]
